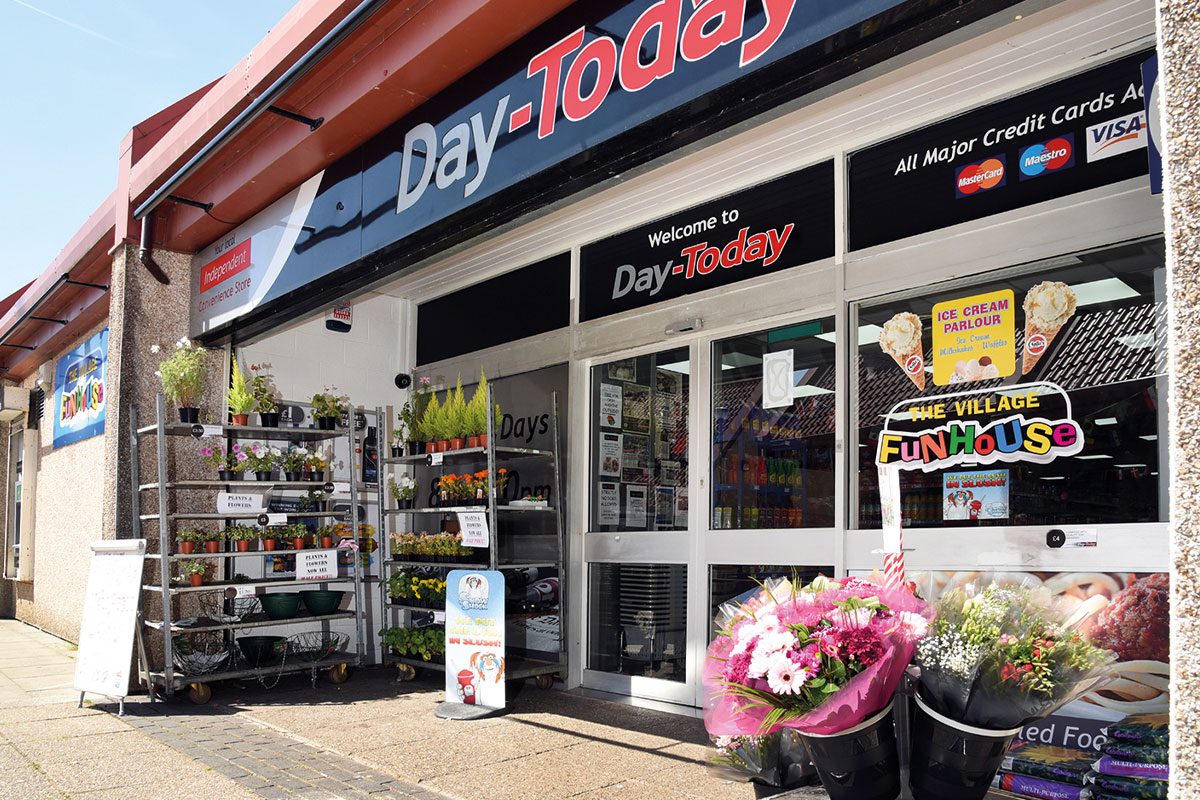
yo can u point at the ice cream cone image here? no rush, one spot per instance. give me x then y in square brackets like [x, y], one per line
[1048, 307]
[901, 339]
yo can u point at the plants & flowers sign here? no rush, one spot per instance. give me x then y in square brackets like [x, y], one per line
[80, 391]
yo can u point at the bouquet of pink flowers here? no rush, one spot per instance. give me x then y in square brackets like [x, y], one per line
[819, 658]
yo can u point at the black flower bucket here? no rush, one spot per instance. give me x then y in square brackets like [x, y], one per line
[859, 763]
[953, 761]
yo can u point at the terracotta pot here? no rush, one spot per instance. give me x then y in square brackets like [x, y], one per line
[187, 547]
[268, 544]
[472, 441]
[298, 543]
[327, 542]
[243, 545]
[196, 580]
[430, 447]
[458, 443]
[241, 419]
[212, 546]
[444, 446]
[483, 440]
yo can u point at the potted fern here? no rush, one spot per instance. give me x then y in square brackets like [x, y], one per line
[266, 396]
[239, 396]
[182, 374]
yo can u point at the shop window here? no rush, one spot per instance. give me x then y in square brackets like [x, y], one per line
[638, 620]
[773, 428]
[16, 463]
[737, 582]
[640, 443]
[1096, 329]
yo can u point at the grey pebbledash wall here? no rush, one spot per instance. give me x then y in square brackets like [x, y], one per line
[1179, 64]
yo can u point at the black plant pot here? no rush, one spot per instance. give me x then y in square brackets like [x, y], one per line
[229, 475]
[293, 477]
[327, 423]
[189, 415]
[415, 448]
[266, 475]
[318, 475]
[861, 763]
[269, 419]
[953, 761]
[397, 452]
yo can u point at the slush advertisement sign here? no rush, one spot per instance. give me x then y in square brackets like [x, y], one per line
[763, 229]
[598, 89]
[475, 636]
[1080, 133]
[79, 391]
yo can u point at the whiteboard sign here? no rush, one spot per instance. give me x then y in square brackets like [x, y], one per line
[475, 531]
[316, 565]
[109, 615]
[241, 502]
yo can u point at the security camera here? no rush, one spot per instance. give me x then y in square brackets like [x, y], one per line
[403, 380]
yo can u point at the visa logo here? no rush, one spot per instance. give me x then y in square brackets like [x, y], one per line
[1121, 135]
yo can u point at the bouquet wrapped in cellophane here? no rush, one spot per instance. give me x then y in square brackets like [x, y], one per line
[819, 658]
[999, 658]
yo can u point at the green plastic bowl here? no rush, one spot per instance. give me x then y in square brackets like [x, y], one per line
[321, 602]
[262, 651]
[282, 605]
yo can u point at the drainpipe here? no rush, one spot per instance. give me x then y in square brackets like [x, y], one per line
[144, 254]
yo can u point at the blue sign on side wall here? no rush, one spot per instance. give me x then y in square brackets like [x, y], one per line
[80, 391]
[1154, 141]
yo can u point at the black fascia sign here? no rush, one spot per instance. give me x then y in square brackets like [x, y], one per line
[767, 228]
[1079, 133]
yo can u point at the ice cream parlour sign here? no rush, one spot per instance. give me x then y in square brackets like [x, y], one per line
[1028, 422]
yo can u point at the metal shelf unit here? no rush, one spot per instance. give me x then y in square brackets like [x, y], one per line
[495, 456]
[169, 679]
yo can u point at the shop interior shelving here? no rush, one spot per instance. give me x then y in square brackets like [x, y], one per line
[168, 679]
[504, 520]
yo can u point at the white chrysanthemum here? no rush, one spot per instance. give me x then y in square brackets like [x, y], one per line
[155, 349]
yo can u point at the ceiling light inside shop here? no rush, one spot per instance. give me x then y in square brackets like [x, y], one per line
[1150, 437]
[1105, 421]
[1093, 456]
[679, 366]
[1102, 291]
[1129, 466]
[867, 334]
[808, 390]
[1054, 477]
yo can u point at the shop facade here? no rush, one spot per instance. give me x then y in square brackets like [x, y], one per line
[718, 307]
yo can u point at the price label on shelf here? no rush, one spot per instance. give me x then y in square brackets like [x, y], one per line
[316, 565]
[435, 459]
[207, 431]
[475, 531]
[271, 520]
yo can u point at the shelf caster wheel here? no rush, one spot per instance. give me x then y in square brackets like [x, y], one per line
[545, 681]
[339, 673]
[405, 672]
[199, 693]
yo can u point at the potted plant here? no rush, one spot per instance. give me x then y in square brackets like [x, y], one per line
[431, 424]
[229, 463]
[404, 491]
[266, 396]
[497, 423]
[315, 464]
[413, 413]
[327, 533]
[239, 396]
[298, 533]
[456, 417]
[477, 414]
[996, 659]
[403, 546]
[194, 570]
[182, 374]
[291, 461]
[188, 538]
[270, 538]
[328, 408]
[261, 460]
[241, 536]
[212, 540]
[399, 435]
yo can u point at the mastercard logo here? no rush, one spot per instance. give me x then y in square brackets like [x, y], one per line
[1046, 157]
[1036, 344]
[974, 178]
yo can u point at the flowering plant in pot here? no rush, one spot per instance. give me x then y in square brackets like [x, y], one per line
[261, 460]
[996, 659]
[298, 533]
[239, 396]
[316, 463]
[403, 491]
[230, 464]
[266, 396]
[291, 461]
[271, 537]
[411, 416]
[452, 489]
[241, 536]
[188, 538]
[400, 432]
[193, 570]
[212, 540]
[328, 408]
[823, 660]
[477, 486]
[331, 534]
[182, 374]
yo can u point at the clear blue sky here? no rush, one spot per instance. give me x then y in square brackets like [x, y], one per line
[77, 75]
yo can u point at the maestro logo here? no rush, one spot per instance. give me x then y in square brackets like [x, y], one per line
[1054, 155]
[979, 177]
